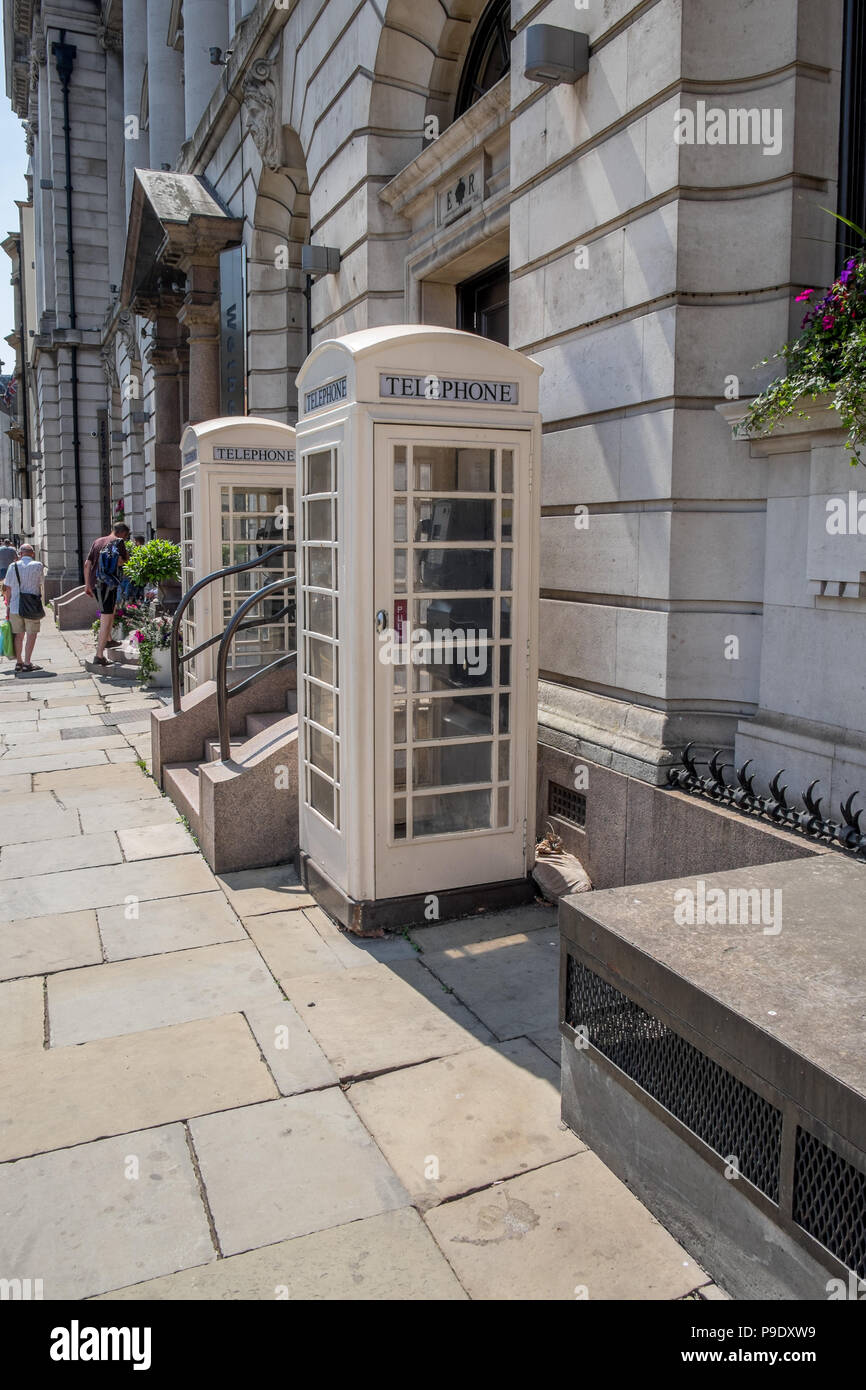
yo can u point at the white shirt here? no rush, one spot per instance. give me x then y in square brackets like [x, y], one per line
[32, 573]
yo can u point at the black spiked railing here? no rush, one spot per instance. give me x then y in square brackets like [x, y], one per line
[741, 795]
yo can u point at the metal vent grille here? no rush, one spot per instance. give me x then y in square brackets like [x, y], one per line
[726, 1114]
[567, 804]
[830, 1201]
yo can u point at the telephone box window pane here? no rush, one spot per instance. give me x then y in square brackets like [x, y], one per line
[321, 706]
[451, 813]
[400, 770]
[401, 534]
[506, 569]
[504, 761]
[320, 614]
[187, 528]
[321, 796]
[319, 477]
[400, 818]
[505, 666]
[322, 661]
[400, 571]
[319, 521]
[320, 751]
[507, 521]
[463, 716]
[503, 799]
[454, 569]
[467, 669]
[400, 722]
[505, 619]
[454, 519]
[507, 470]
[440, 469]
[224, 499]
[474, 615]
[320, 567]
[504, 714]
[452, 766]
[400, 468]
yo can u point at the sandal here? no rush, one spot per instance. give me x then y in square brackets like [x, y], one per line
[101, 661]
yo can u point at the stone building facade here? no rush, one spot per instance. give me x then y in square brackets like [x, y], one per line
[647, 260]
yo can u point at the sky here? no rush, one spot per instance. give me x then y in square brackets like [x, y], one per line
[13, 165]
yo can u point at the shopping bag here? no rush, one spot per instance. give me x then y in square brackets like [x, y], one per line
[7, 641]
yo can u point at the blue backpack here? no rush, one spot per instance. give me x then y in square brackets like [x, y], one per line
[109, 565]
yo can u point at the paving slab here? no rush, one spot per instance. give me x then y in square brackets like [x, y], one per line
[131, 996]
[158, 810]
[168, 924]
[568, 1231]
[53, 762]
[70, 1095]
[380, 1016]
[122, 755]
[290, 1167]
[26, 823]
[115, 883]
[255, 891]
[483, 1115]
[59, 856]
[155, 841]
[357, 950]
[387, 1258]
[510, 982]
[291, 945]
[42, 945]
[76, 1221]
[19, 782]
[290, 1050]
[26, 712]
[484, 926]
[112, 782]
[22, 1011]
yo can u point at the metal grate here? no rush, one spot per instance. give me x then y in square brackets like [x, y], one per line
[726, 1114]
[565, 803]
[830, 1201]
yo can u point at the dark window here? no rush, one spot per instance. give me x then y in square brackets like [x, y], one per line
[489, 56]
[482, 304]
[852, 142]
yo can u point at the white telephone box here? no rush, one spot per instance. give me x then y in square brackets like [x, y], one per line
[418, 590]
[237, 502]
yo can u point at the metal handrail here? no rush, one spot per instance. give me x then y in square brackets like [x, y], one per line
[224, 694]
[178, 660]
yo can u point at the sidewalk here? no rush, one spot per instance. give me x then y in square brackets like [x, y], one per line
[208, 1091]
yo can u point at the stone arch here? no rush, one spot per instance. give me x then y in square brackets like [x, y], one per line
[421, 51]
[276, 302]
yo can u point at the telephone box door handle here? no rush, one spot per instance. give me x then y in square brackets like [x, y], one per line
[381, 621]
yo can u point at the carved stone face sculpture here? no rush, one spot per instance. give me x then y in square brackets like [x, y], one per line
[261, 120]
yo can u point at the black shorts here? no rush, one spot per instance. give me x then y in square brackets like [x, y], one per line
[106, 597]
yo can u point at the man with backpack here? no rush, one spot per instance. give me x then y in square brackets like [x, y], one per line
[103, 570]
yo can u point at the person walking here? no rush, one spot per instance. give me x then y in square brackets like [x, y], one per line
[8, 554]
[22, 589]
[103, 569]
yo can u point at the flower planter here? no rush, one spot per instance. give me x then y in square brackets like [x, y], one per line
[161, 678]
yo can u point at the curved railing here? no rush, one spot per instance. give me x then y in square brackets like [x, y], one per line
[178, 659]
[224, 692]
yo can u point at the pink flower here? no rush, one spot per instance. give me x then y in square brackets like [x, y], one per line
[807, 294]
[827, 322]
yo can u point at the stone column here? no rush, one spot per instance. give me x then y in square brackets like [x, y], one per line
[205, 26]
[135, 145]
[165, 87]
[200, 317]
[168, 423]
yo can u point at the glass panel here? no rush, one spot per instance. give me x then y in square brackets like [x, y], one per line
[503, 799]
[400, 469]
[506, 569]
[507, 521]
[505, 618]
[321, 705]
[463, 716]
[319, 521]
[320, 567]
[187, 528]
[322, 661]
[454, 569]
[445, 767]
[400, 571]
[320, 751]
[451, 813]
[504, 714]
[505, 666]
[401, 534]
[400, 770]
[401, 683]
[467, 669]
[224, 499]
[470, 615]
[320, 614]
[261, 502]
[400, 721]
[454, 519]
[439, 469]
[319, 472]
[504, 761]
[399, 818]
[507, 470]
[321, 796]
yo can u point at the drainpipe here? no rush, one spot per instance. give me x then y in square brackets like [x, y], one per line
[65, 54]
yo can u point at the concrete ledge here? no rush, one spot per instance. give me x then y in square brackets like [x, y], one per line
[74, 610]
[180, 738]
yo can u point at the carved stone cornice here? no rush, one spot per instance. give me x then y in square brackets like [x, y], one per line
[262, 112]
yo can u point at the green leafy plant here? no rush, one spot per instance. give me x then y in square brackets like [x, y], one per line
[153, 635]
[828, 359]
[155, 562]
